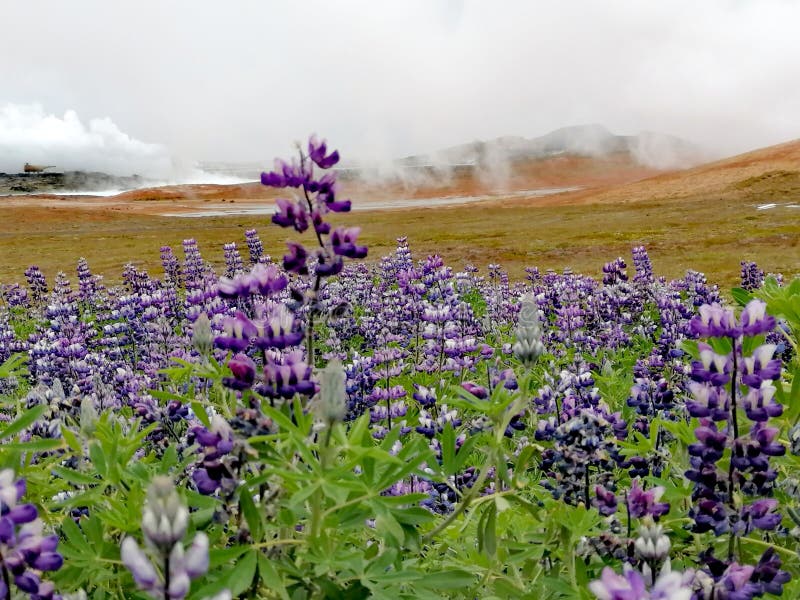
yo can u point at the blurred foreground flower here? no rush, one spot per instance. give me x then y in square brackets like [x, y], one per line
[631, 586]
[24, 552]
[164, 522]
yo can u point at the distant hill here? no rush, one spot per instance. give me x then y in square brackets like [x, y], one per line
[767, 175]
[649, 149]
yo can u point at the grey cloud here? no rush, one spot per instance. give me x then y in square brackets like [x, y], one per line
[243, 80]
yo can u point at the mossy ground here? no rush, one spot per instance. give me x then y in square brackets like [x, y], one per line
[706, 234]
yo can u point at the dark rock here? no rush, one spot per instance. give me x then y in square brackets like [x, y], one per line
[69, 181]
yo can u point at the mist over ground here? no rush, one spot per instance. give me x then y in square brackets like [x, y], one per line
[153, 87]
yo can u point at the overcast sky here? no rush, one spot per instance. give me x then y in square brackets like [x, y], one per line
[240, 81]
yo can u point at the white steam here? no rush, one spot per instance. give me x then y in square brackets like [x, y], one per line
[667, 152]
[30, 134]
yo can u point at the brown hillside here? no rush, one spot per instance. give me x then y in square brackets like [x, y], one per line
[766, 175]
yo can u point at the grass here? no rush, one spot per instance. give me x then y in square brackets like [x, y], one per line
[710, 235]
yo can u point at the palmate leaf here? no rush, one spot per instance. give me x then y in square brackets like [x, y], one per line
[454, 457]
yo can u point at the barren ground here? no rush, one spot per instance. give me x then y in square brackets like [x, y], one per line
[704, 218]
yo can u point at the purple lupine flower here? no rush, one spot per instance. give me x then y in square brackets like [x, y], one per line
[718, 398]
[88, 283]
[343, 240]
[212, 472]
[295, 260]
[752, 278]
[291, 214]
[736, 583]
[193, 268]
[328, 266]
[36, 283]
[476, 390]
[760, 404]
[237, 286]
[244, 373]
[755, 320]
[237, 332]
[715, 321]
[761, 366]
[642, 266]
[286, 375]
[285, 175]
[171, 266]
[255, 247]
[614, 272]
[584, 454]
[708, 401]
[712, 368]
[643, 503]
[758, 515]
[425, 396]
[277, 327]
[605, 501]
[24, 551]
[768, 574]
[233, 260]
[317, 151]
[267, 280]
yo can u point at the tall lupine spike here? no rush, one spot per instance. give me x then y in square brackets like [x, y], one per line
[88, 284]
[233, 260]
[752, 278]
[171, 266]
[36, 283]
[254, 246]
[316, 202]
[723, 386]
[642, 266]
[62, 288]
[615, 272]
[193, 267]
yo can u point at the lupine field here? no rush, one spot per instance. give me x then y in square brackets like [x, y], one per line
[318, 425]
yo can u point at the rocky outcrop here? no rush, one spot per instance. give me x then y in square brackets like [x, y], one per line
[70, 181]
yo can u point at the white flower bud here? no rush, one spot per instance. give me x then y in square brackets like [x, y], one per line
[652, 544]
[332, 402]
[165, 518]
[528, 346]
[88, 416]
[202, 337]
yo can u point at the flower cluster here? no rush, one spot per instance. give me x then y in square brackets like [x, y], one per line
[24, 552]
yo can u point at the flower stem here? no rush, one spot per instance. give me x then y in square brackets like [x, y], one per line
[735, 424]
[166, 577]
